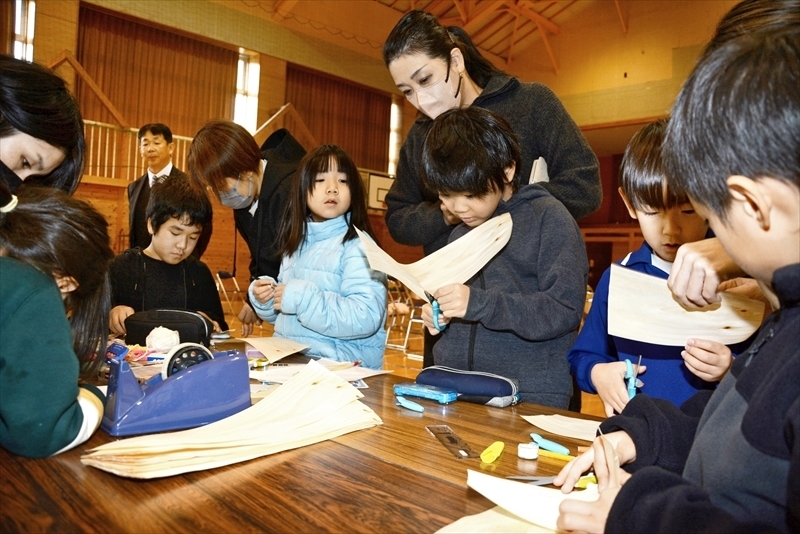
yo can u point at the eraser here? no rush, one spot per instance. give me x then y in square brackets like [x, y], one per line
[528, 451]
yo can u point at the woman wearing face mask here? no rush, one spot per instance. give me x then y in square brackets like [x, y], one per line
[254, 182]
[41, 129]
[439, 68]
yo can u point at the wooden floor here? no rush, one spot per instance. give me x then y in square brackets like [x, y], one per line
[408, 363]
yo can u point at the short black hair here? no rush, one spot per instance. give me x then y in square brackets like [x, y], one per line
[156, 128]
[737, 114]
[178, 197]
[467, 150]
[641, 175]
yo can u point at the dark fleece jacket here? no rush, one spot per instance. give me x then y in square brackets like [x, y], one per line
[544, 129]
[738, 448]
[526, 304]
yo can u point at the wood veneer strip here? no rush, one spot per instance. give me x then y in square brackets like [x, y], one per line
[315, 405]
[453, 264]
[642, 308]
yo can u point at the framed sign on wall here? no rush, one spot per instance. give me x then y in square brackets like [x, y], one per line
[379, 185]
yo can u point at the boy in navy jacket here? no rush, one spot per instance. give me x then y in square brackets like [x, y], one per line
[667, 220]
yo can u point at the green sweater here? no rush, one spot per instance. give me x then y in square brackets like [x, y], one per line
[42, 409]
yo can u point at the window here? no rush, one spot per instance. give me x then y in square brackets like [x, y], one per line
[24, 22]
[395, 126]
[245, 108]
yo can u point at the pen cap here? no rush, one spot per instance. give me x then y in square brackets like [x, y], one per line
[528, 451]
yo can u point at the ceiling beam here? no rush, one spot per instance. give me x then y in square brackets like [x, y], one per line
[462, 11]
[621, 17]
[512, 41]
[528, 13]
[479, 15]
[282, 8]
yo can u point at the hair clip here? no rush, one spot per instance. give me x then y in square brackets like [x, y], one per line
[10, 206]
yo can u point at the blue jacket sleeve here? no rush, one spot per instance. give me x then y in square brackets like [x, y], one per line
[356, 311]
[593, 345]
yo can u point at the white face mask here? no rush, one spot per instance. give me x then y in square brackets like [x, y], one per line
[439, 97]
[233, 199]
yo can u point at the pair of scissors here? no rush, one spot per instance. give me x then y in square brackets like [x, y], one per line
[534, 481]
[631, 377]
[545, 481]
[436, 312]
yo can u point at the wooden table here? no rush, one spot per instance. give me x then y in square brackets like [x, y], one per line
[391, 478]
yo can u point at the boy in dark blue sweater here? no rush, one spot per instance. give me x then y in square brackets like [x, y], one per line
[667, 220]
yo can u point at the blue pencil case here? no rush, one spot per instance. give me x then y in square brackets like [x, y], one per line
[472, 386]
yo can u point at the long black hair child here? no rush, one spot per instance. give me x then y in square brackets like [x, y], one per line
[54, 257]
[326, 295]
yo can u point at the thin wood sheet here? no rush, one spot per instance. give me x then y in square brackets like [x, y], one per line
[642, 308]
[534, 504]
[453, 264]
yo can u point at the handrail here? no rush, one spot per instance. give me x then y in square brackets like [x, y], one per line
[270, 125]
[67, 56]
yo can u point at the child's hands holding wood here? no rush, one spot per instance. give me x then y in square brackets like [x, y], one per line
[707, 359]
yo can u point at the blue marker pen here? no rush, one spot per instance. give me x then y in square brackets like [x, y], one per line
[410, 405]
[548, 445]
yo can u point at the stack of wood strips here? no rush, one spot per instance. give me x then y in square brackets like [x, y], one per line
[315, 405]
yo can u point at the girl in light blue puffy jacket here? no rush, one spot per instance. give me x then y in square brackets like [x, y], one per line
[326, 296]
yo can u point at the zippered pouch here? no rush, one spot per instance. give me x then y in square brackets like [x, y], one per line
[191, 326]
[472, 386]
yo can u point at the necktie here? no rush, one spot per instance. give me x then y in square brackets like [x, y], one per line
[160, 178]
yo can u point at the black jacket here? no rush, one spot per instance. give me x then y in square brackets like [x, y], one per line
[283, 154]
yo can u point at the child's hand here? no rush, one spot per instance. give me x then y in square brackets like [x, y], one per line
[278, 296]
[214, 324]
[248, 318]
[752, 289]
[263, 290]
[626, 452]
[609, 381]
[449, 217]
[453, 300]
[427, 319]
[592, 516]
[707, 359]
[117, 318]
[698, 270]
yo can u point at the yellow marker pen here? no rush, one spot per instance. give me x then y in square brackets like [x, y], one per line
[555, 455]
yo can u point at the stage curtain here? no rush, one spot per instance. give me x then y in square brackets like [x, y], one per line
[343, 113]
[153, 75]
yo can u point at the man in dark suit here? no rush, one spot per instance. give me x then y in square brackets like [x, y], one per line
[156, 147]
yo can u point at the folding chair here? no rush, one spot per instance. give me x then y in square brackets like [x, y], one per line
[225, 275]
[398, 309]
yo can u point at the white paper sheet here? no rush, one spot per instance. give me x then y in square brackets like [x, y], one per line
[570, 427]
[453, 264]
